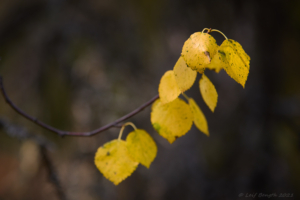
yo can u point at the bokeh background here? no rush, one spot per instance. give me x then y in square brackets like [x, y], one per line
[78, 65]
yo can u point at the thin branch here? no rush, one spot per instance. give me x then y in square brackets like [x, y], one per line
[69, 133]
[52, 174]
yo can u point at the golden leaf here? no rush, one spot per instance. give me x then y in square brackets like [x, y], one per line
[171, 120]
[168, 89]
[198, 50]
[114, 162]
[199, 118]
[234, 60]
[141, 147]
[208, 92]
[217, 63]
[184, 76]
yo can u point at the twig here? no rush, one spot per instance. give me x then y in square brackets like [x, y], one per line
[52, 174]
[69, 133]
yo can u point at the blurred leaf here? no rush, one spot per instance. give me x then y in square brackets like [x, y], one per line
[208, 92]
[168, 89]
[184, 76]
[217, 63]
[199, 118]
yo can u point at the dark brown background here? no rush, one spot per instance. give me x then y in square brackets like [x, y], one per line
[78, 65]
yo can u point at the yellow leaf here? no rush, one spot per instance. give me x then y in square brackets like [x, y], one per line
[199, 118]
[208, 92]
[114, 162]
[217, 63]
[235, 60]
[184, 76]
[171, 120]
[198, 50]
[141, 147]
[154, 104]
[168, 89]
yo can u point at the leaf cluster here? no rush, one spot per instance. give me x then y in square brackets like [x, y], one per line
[171, 116]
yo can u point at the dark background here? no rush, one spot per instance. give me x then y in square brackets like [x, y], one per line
[78, 65]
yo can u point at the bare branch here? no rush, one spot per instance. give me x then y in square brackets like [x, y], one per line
[69, 133]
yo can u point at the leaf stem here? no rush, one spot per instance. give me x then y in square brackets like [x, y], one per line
[123, 127]
[205, 29]
[215, 30]
[131, 124]
[185, 96]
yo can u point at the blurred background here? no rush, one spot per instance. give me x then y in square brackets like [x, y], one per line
[78, 65]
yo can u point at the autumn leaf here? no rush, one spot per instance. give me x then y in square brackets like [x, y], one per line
[114, 162]
[141, 147]
[199, 118]
[171, 120]
[168, 89]
[184, 76]
[208, 92]
[234, 60]
[217, 63]
[198, 50]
